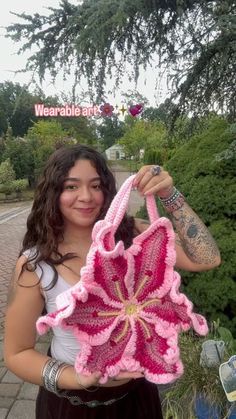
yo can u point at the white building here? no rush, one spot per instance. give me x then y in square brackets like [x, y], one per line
[115, 152]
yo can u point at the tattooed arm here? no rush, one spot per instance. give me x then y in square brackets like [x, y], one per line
[196, 249]
[195, 246]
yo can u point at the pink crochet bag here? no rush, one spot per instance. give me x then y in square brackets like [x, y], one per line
[127, 311]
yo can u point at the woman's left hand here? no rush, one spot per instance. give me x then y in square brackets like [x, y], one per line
[128, 374]
[147, 182]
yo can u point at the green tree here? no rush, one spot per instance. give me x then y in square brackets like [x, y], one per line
[16, 108]
[44, 137]
[81, 128]
[141, 134]
[2, 148]
[20, 152]
[110, 130]
[153, 156]
[19, 185]
[7, 188]
[7, 173]
[161, 113]
[7, 177]
[48, 132]
[194, 40]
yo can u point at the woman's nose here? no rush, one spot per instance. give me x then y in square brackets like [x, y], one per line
[84, 194]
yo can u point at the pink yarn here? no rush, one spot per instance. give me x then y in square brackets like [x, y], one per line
[127, 310]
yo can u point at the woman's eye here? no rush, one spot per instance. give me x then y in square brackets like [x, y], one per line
[75, 187]
[98, 186]
[70, 187]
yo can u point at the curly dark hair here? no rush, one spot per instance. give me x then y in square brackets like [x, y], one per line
[45, 222]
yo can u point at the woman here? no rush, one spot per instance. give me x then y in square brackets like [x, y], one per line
[75, 191]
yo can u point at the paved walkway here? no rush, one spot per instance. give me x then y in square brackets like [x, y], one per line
[17, 399]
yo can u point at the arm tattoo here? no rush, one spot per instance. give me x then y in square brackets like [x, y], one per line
[195, 238]
[178, 241]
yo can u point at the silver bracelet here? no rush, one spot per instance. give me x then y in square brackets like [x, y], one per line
[46, 372]
[51, 373]
[62, 368]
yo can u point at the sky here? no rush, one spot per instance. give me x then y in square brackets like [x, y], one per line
[11, 62]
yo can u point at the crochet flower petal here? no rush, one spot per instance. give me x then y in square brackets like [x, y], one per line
[168, 312]
[109, 273]
[153, 265]
[93, 321]
[198, 322]
[157, 356]
[174, 310]
[106, 357]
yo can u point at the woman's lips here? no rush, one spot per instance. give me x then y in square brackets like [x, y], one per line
[85, 210]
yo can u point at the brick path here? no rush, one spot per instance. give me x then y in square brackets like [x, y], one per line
[11, 234]
[17, 399]
[9, 206]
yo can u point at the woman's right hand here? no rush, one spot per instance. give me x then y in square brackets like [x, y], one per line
[71, 380]
[87, 381]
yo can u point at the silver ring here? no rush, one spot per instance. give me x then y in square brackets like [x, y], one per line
[155, 170]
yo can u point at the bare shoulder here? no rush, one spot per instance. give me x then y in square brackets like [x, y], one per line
[140, 225]
[24, 275]
[22, 278]
[19, 264]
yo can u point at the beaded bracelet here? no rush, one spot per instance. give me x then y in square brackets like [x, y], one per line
[173, 202]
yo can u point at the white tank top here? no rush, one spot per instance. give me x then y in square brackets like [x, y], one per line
[64, 345]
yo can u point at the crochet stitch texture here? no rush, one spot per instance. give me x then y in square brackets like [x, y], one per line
[127, 311]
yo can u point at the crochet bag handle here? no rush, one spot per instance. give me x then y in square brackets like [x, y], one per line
[119, 204]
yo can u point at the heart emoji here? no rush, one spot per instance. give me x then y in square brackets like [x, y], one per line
[136, 109]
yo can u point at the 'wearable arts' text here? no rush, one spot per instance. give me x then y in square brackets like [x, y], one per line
[67, 110]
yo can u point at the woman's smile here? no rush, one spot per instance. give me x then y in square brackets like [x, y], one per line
[85, 210]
